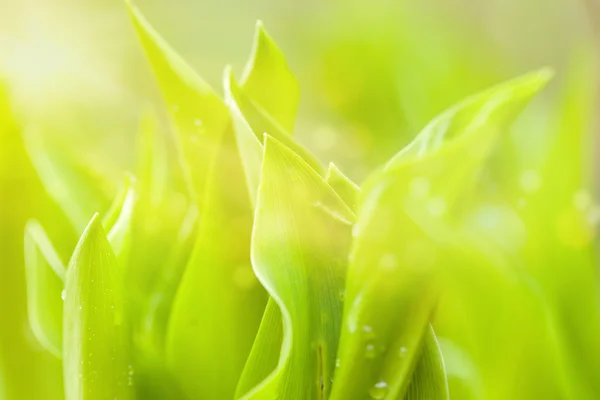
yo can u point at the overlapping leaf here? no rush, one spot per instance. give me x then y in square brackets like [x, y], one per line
[207, 362]
[402, 240]
[300, 242]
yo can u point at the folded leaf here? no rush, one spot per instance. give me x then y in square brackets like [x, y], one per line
[45, 274]
[299, 246]
[96, 360]
[403, 234]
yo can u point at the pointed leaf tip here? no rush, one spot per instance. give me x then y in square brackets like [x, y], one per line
[96, 359]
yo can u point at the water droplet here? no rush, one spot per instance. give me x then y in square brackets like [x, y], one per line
[175, 107]
[367, 328]
[530, 181]
[194, 139]
[338, 363]
[436, 206]
[388, 262]
[402, 352]
[370, 351]
[197, 122]
[63, 294]
[419, 188]
[379, 390]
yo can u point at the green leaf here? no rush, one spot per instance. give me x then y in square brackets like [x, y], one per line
[266, 350]
[75, 186]
[152, 166]
[260, 122]
[403, 234]
[268, 81]
[429, 377]
[208, 362]
[478, 119]
[120, 217]
[300, 241]
[96, 358]
[249, 145]
[199, 116]
[45, 273]
[348, 190]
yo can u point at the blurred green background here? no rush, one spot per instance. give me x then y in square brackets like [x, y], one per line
[372, 73]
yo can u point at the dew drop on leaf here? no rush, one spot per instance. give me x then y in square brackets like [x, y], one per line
[370, 351]
[379, 390]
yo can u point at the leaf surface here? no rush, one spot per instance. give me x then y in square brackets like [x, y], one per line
[96, 360]
[299, 246]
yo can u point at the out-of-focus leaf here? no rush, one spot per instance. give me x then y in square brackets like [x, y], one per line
[96, 351]
[268, 81]
[347, 189]
[27, 371]
[163, 229]
[299, 253]
[199, 116]
[219, 271]
[78, 189]
[152, 166]
[208, 362]
[403, 235]
[121, 215]
[45, 274]
[429, 379]
[561, 214]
